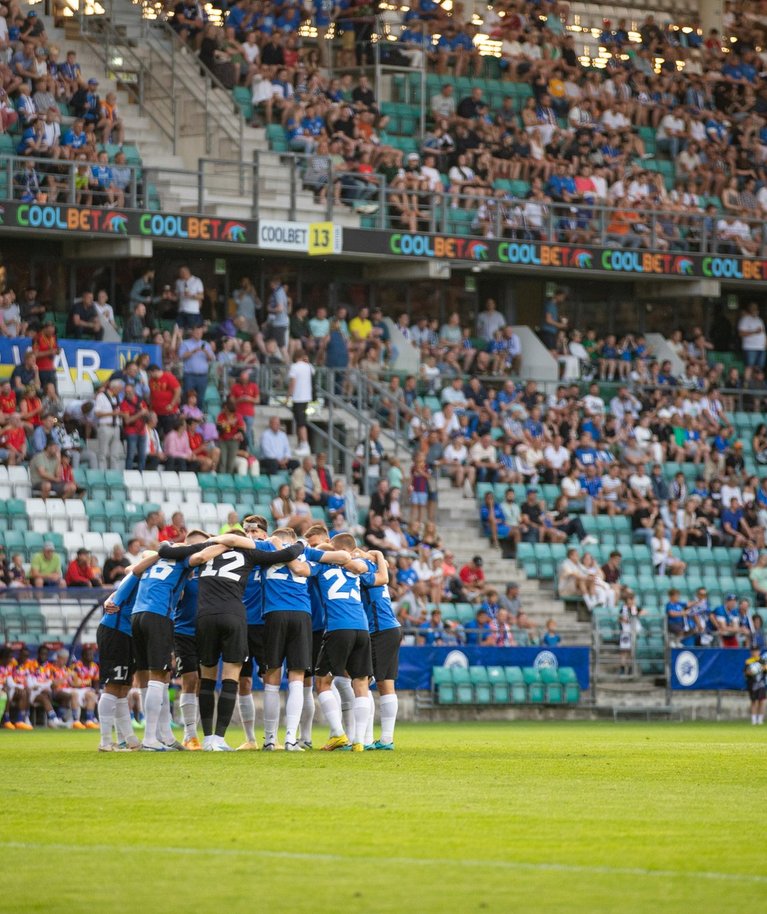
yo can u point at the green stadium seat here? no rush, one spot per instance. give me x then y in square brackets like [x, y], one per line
[553, 688]
[499, 688]
[442, 682]
[481, 682]
[536, 692]
[463, 686]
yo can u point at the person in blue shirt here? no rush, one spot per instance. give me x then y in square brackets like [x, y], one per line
[346, 648]
[287, 634]
[406, 574]
[385, 639]
[550, 637]
[159, 590]
[724, 621]
[187, 661]
[115, 645]
[479, 631]
[677, 616]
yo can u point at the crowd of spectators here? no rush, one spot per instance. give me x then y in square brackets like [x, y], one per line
[577, 141]
[37, 79]
[65, 691]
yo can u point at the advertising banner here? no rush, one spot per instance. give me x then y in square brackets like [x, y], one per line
[80, 360]
[699, 668]
[415, 663]
[553, 256]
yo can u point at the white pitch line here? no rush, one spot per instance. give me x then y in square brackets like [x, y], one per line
[512, 865]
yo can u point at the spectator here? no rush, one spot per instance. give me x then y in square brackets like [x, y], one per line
[275, 449]
[115, 566]
[472, 578]
[81, 571]
[45, 570]
[109, 416]
[135, 412]
[147, 531]
[231, 435]
[83, 321]
[196, 355]
[164, 396]
[753, 339]
[300, 378]
[189, 293]
[45, 473]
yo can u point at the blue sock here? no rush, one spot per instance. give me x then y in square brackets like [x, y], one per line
[89, 715]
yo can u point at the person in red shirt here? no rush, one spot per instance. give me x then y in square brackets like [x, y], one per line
[231, 434]
[175, 532]
[46, 347]
[245, 394]
[80, 571]
[206, 455]
[164, 397]
[473, 577]
[13, 441]
[31, 406]
[135, 411]
[8, 404]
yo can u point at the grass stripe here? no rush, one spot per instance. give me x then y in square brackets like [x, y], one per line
[511, 865]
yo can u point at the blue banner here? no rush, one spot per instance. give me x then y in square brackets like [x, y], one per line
[711, 668]
[80, 360]
[415, 663]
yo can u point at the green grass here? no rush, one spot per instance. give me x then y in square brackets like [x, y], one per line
[566, 817]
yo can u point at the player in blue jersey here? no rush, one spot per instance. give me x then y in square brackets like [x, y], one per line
[187, 663]
[346, 646]
[256, 527]
[385, 638]
[158, 593]
[288, 635]
[316, 536]
[115, 645]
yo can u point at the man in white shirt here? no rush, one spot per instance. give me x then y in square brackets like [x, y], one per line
[623, 404]
[640, 483]
[593, 404]
[670, 136]
[455, 462]
[109, 448]
[454, 394]
[446, 422]
[275, 449]
[557, 459]
[752, 339]
[190, 293]
[300, 386]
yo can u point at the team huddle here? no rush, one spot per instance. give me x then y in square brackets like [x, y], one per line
[243, 603]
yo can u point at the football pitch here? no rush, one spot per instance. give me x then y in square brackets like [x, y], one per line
[566, 817]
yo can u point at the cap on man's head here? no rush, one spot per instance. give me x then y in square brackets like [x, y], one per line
[93, 82]
[48, 545]
[477, 560]
[730, 596]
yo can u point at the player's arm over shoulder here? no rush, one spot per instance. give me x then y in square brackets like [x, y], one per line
[234, 541]
[205, 555]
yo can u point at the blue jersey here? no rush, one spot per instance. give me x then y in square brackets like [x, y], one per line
[160, 587]
[124, 597]
[343, 600]
[284, 591]
[319, 616]
[377, 602]
[185, 617]
[253, 598]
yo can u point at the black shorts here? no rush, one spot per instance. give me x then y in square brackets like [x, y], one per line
[152, 641]
[287, 639]
[222, 636]
[115, 656]
[346, 652]
[317, 639]
[757, 694]
[385, 649]
[255, 653]
[185, 649]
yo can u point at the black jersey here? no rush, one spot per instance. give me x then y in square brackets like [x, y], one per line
[222, 580]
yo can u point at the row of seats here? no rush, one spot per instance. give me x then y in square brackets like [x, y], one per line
[480, 685]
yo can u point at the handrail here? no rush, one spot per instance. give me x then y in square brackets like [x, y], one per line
[103, 38]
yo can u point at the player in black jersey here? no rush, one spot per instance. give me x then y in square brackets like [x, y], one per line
[222, 631]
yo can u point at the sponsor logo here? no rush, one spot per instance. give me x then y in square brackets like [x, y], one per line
[115, 222]
[457, 658]
[545, 660]
[686, 669]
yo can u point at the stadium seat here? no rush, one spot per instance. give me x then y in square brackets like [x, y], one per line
[553, 688]
[481, 683]
[464, 690]
[442, 683]
[572, 691]
[535, 689]
[499, 688]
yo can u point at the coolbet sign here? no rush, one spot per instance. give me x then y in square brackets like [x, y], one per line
[314, 238]
[542, 254]
[94, 221]
[79, 360]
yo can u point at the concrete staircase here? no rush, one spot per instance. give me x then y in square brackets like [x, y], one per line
[208, 125]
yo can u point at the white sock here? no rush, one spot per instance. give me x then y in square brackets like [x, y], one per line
[389, 705]
[293, 708]
[329, 706]
[371, 721]
[248, 715]
[754, 718]
[123, 723]
[164, 732]
[142, 693]
[307, 715]
[188, 702]
[345, 690]
[152, 706]
[107, 708]
[271, 713]
[361, 714]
